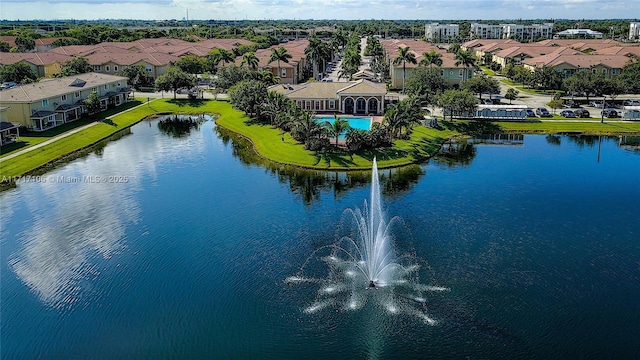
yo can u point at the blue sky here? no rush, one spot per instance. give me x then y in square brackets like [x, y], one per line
[319, 9]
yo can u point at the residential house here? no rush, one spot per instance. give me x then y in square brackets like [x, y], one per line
[517, 54]
[453, 74]
[52, 102]
[568, 64]
[43, 64]
[291, 72]
[155, 64]
[362, 97]
[45, 44]
[9, 132]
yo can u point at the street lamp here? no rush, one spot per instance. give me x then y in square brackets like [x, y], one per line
[604, 101]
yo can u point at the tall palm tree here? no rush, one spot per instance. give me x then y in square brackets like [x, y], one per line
[250, 59]
[279, 54]
[337, 127]
[404, 56]
[431, 58]
[317, 50]
[465, 58]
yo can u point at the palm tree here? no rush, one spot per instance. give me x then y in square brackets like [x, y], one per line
[337, 127]
[274, 105]
[465, 58]
[317, 50]
[431, 58]
[250, 59]
[227, 56]
[213, 59]
[403, 57]
[306, 128]
[279, 54]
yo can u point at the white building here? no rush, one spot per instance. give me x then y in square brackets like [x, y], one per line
[486, 31]
[436, 32]
[527, 32]
[507, 31]
[634, 31]
[580, 33]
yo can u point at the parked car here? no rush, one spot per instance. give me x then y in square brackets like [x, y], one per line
[543, 112]
[8, 85]
[610, 113]
[487, 102]
[582, 113]
[596, 104]
[530, 112]
[568, 114]
[631, 103]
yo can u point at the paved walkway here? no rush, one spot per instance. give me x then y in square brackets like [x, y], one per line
[61, 136]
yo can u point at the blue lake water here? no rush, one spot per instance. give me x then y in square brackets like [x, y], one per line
[163, 246]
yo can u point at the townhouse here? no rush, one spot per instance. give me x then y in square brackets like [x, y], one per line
[155, 64]
[568, 64]
[291, 72]
[453, 74]
[52, 102]
[43, 64]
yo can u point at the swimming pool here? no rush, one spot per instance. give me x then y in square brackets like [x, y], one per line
[356, 122]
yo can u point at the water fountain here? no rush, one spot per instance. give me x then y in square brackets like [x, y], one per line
[363, 266]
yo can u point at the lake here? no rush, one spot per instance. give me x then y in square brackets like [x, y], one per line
[177, 245]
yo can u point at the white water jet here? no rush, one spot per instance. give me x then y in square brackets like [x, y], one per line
[363, 266]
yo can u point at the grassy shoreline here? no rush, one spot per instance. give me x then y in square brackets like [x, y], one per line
[269, 144]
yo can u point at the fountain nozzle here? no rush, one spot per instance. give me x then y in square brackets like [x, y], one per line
[371, 284]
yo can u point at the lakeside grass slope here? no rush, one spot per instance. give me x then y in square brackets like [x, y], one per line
[269, 144]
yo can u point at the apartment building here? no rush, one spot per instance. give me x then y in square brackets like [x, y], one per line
[634, 31]
[520, 32]
[436, 32]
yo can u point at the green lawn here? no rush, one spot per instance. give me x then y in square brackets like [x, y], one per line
[37, 158]
[268, 143]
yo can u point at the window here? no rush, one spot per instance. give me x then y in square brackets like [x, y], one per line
[107, 68]
[45, 102]
[97, 68]
[604, 71]
[119, 84]
[332, 104]
[115, 67]
[307, 104]
[594, 71]
[450, 72]
[77, 94]
[317, 105]
[106, 86]
[460, 72]
[148, 68]
[64, 97]
[284, 73]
